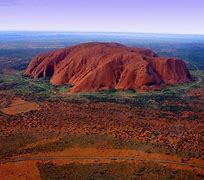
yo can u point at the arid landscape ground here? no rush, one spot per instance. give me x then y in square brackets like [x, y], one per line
[48, 133]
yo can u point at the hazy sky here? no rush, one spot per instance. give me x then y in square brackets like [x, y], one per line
[157, 16]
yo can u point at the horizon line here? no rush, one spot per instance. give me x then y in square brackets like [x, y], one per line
[103, 32]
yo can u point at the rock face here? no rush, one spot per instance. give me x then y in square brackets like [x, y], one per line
[101, 66]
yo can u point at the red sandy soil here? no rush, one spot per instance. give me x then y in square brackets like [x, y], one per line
[40, 142]
[115, 120]
[20, 169]
[18, 105]
[102, 66]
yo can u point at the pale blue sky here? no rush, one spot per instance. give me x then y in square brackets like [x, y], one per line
[153, 16]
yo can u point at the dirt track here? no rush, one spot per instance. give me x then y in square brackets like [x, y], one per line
[114, 158]
[17, 167]
[78, 154]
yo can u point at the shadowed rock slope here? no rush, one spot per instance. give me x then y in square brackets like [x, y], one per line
[101, 66]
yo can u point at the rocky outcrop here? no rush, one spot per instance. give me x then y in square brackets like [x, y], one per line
[101, 66]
